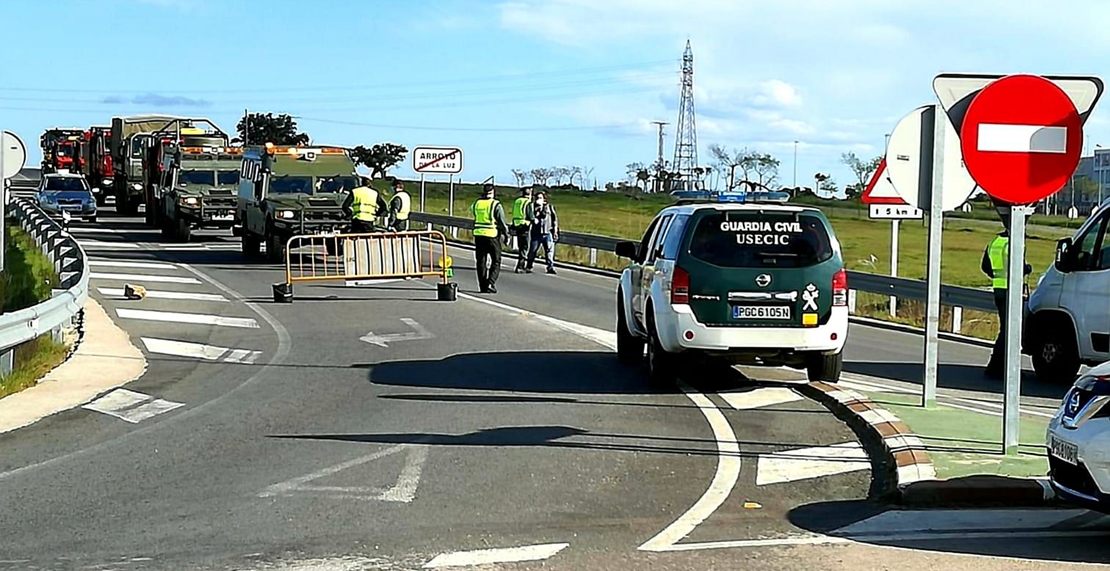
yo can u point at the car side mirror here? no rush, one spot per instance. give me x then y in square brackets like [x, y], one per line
[1063, 260]
[630, 250]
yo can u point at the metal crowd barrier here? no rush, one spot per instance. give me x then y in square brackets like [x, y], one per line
[376, 255]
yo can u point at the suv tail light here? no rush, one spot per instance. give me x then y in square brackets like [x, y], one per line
[840, 288]
[680, 286]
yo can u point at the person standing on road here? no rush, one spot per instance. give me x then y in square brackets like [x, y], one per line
[995, 265]
[523, 218]
[545, 232]
[489, 227]
[365, 204]
[399, 207]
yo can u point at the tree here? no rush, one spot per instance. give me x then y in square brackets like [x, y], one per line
[540, 176]
[520, 176]
[828, 186]
[576, 173]
[642, 176]
[269, 128]
[632, 171]
[379, 158]
[1084, 189]
[559, 173]
[587, 173]
[764, 166]
[863, 171]
[727, 159]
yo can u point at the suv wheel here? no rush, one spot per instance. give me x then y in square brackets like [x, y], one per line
[630, 349]
[182, 230]
[825, 368]
[1055, 356]
[275, 248]
[251, 244]
[661, 364]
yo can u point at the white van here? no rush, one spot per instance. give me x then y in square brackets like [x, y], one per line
[1067, 319]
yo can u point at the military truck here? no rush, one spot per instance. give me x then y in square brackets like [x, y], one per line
[61, 149]
[130, 138]
[97, 157]
[284, 191]
[191, 178]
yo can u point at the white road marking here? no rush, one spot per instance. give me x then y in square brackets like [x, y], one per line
[178, 295]
[403, 491]
[490, 556]
[131, 406]
[942, 399]
[418, 332]
[100, 230]
[237, 355]
[143, 278]
[806, 463]
[183, 349]
[128, 264]
[98, 245]
[760, 397]
[194, 318]
[1023, 138]
[728, 450]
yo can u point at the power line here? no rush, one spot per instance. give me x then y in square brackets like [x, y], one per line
[465, 129]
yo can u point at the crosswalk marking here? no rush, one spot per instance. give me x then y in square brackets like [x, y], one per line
[143, 278]
[194, 318]
[127, 264]
[177, 295]
[98, 230]
[131, 406]
[805, 463]
[99, 245]
[491, 556]
[200, 351]
[760, 397]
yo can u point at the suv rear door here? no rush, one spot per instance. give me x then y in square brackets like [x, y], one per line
[755, 267]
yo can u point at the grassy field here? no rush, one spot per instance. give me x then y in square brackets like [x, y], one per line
[865, 243]
[28, 279]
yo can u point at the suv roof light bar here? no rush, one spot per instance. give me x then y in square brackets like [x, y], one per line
[704, 196]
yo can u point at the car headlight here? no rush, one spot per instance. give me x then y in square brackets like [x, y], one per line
[136, 187]
[190, 201]
[106, 182]
[286, 214]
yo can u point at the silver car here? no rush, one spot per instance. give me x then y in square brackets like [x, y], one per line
[66, 192]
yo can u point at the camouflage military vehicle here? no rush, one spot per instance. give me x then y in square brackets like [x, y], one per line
[284, 191]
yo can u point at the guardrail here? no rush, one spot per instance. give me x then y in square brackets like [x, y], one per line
[958, 297]
[50, 316]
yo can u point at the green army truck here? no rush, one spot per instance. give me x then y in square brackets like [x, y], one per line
[285, 191]
[192, 177]
[130, 138]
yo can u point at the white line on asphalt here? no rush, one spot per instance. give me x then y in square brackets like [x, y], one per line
[183, 349]
[194, 318]
[131, 406]
[237, 355]
[403, 491]
[760, 397]
[98, 230]
[1023, 138]
[143, 278]
[126, 264]
[502, 555]
[876, 386]
[806, 463]
[98, 244]
[179, 295]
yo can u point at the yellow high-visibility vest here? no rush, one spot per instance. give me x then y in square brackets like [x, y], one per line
[483, 217]
[998, 253]
[406, 205]
[365, 205]
[519, 206]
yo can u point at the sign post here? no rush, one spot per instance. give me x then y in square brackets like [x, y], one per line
[885, 204]
[438, 160]
[1021, 137]
[13, 157]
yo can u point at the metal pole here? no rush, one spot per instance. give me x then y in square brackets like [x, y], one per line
[934, 119]
[893, 263]
[1010, 410]
[422, 192]
[451, 194]
[3, 200]
[795, 185]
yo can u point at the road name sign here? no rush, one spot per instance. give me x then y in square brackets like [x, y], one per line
[437, 160]
[910, 155]
[1021, 135]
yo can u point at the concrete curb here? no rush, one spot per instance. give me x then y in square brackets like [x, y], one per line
[914, 478]
[104, 359]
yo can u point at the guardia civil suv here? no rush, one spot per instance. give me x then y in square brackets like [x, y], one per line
[744, 278]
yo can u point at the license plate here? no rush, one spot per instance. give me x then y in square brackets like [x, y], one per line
[223, 217]
[760, 312]
[1063, 450]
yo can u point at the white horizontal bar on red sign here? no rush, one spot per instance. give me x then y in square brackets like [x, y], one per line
[1022, 138]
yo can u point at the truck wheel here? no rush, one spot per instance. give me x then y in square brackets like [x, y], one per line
[251, 244]
[275, 248]
[662, 369]
[91, 219]
[128, 206]
[826, 368]
[182, 230]
[101, 199]
[151, 214]
[630, 349]
[1055, 356]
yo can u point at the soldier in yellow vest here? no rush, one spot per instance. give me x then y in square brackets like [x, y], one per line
[399, 207]
[995, 265]
[365, 205]
[523, 218]
[489, 229]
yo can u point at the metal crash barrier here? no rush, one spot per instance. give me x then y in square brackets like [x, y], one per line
[377, 255]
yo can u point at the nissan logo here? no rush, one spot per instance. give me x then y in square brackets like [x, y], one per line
[763, 280]
[1073, 403]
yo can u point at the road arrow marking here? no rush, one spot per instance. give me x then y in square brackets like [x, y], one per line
[418, 332]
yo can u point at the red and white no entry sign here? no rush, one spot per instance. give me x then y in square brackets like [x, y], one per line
[1021, 138]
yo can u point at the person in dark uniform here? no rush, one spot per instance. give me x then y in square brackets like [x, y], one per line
[489, 229]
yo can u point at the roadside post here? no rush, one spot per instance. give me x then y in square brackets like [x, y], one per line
[13, 157]
[884, 204]
[438, 160]
[928, 174]
[1021, 137]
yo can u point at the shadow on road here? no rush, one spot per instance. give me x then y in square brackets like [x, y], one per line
[961, 377]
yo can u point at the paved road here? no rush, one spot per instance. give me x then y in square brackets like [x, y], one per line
[378, 428]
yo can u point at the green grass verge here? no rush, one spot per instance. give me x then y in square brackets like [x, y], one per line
[963, 443]
[28, 279]
[865, 243]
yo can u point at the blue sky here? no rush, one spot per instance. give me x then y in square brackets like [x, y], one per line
[531, 83]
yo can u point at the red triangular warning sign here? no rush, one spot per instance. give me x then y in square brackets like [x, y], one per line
[880, 190]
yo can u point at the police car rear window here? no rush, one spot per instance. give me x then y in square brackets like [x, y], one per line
[753, 239]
